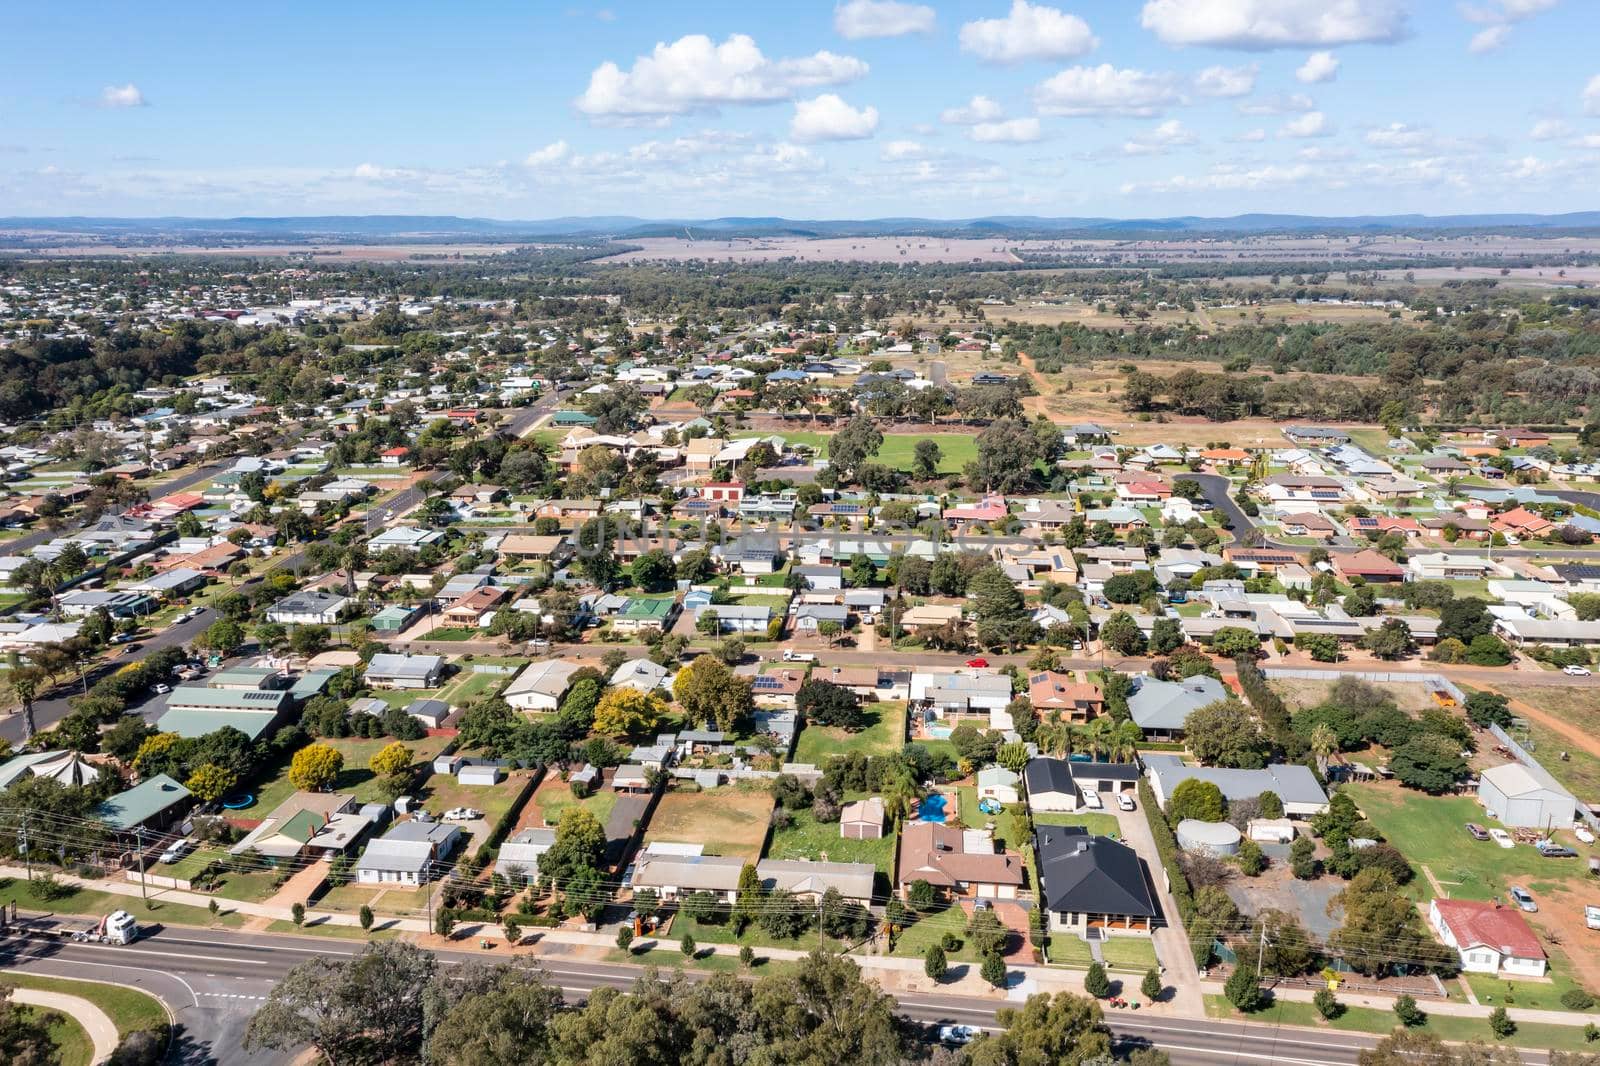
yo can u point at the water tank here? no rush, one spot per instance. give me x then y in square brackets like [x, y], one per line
[1212, 838]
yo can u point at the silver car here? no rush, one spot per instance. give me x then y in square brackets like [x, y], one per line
[1522, 899]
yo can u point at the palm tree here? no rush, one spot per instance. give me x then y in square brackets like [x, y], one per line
[1125, 742]
[1324, 742]
[1099, 733]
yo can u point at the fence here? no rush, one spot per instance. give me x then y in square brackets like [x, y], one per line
[1435, 682]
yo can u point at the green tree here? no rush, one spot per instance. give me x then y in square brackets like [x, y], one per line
[849, 448]
[1225, 733]
[925, 459]
[1198, 799]
[580, 845]
[625, 938]
[1327, 1004]
[710, 692]
[1001, 617]
[1063, 1028]
[1430, 762]
[934, 963]
[1121, 634]
[1150, 987]
[1411, 1016]
[1095, 982]
[1244, 989]
[993, 969]
[1500, 1023]
[365, 916]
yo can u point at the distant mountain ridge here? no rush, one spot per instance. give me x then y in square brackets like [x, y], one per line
[399, 228]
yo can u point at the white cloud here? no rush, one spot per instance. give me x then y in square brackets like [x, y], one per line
[1549, 129]
[1529, 166]
[1170, 134]
[695, 74]
[1311, 124]
[1318, 67]
[1256, 24]
[1251, 136]
[881, 18]
[1030, 31]
[1282, 104]
[1398, 136]
[1488, 40]
[897, 150]
[553, 152]
[829, 118]
[1591, 96]
[1588, 140]
[122, 96]
[1226, 81]
[978, 109]
[1011, 131]
[1228, 177]
[1105, 90]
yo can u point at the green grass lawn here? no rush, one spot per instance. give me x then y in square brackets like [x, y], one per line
[470, 685]
[442, 792]
[898, 450]
[1370, 1020]
[1579, 771]
[356, 778]
[808, 838]
[69, 1039]
[554, 796]
[1128, 953]
[914, 940]
[884, 733]
[1104, 825]
[129, 1009]
[96, 904]
[1428, 830]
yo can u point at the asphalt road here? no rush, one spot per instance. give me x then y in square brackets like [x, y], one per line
[47, 712]
[214, 980]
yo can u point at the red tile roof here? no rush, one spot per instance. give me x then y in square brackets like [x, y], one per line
[1474, 923]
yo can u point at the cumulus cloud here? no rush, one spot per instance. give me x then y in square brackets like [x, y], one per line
[978, 109]
[553, 152]
[1228, 177]
[1398, 136]
[829, 118]
[1498, 16]
[694, 73]
[897, 150]
[1261, 24]
[1311, 124]
[1226, 81]
[1105, 90]
[122, 96]
[1011, 131]
[1588, 140]
[1029, 31]
[1251, 136]
[881, 18]
[1170, 134]
[1318, 67]
[1591, 96]
[1549, 129]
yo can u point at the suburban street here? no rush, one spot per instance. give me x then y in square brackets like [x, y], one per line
[214, 980]
[22, 545]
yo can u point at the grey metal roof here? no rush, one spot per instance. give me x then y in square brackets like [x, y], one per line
[1096, 875]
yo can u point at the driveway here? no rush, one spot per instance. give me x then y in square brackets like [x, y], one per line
[1171, 939]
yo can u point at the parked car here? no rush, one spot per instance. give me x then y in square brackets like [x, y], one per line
[1125, 801]
[1574, 670]
[1091, 800]
[1551, 850]
[163, 689]
[1583, 833]
[1522, 899]
[1477, 831]
[461, 814]
[1501, 837]
[979, 663]
[176, 851]
[1591, 916]
[957, 1034]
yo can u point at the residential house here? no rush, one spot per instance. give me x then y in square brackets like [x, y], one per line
[309, 608]
[1295, 785]
[404, 671]
[540, 686]
[1161, 708]
[1366, 564]
[408, 854]
[674, 876]
[957, 862]
[808, 880]
[1052, 692]
[1489, 936]
[153, 804]
[1092, 886]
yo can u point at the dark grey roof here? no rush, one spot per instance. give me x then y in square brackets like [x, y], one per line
[1097, 875]
[1048, 775]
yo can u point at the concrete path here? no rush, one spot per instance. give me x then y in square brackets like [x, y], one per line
[1430, 1006]
[1178, 971]
[102, 1031]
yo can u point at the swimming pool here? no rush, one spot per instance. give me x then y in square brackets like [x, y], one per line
[931, 809]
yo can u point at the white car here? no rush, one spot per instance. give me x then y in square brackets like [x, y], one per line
[1091, 800]
[1501, 837]
[162, 690]
[957, 1034]
[1125, 802]
[461, 814]
[177, 850]
[1583, 833]
[1574, 670]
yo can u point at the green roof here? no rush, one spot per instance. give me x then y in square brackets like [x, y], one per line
[393, 617]
[647, 609]
[197, 722]
[142, 802]
[243, 699]
[573, 418]
[311, 683]
[302, 827]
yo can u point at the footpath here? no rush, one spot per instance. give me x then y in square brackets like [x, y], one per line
[96, 1022]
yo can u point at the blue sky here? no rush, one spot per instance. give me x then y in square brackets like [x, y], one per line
[866, 108]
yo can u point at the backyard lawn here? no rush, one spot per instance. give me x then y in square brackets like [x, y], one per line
[555, 795]
[885, 733]
[898, 450]
[727, 821]
[443, 791]
[356, 778]
[808, 838]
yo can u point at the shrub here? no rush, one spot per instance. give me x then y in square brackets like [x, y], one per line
[993, 969]
[298, 913]
[1327, 1005]
[1576, 999]
[747, 956]
[1500, 1023]
[1244, 989]
[688, 946]
[934, 963]
[1095, 982]
[1410, 1015]
[950, 942]
[1151, 987]
[1251, 858]
[365, 916]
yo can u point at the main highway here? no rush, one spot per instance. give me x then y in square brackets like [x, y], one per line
[214, 980]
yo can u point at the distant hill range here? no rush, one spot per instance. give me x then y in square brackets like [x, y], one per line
[450, 228]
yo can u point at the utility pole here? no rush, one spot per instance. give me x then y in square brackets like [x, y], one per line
[1261, 950]
[144, 890]
[22, 845]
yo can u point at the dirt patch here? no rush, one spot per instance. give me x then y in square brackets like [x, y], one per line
[727, 821]
[1300, 693]
[1560, 922]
